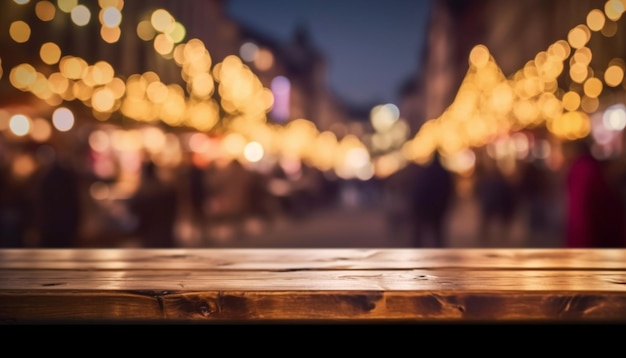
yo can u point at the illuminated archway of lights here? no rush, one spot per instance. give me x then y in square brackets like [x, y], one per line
[225, 97]
[489, 105]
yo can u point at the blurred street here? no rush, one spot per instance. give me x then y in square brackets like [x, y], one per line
[346, 226]
[216, 135]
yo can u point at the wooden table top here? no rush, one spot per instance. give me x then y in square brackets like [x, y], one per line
[296, 285]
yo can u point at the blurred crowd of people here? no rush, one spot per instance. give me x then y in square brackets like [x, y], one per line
[49, 202]
[582, 204]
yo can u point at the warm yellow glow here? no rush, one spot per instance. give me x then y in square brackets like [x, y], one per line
[177, 32]
[593, 87]
[153, 139]
[19, 31]
[163, 44]
[571, 101]
[526, 112]
[384, 116]
[145, 31]
[488, 105]
[45, 10]
[23, 165]
[595, 20]
[110, 34]
[551, 107]
[67, 5]
[22, 76]
[571, 125]
[101, 116]
[126, 140]
[560, 49]
[479, 56]
[172, 111]
[589, 104]
[202, 85]
[103, 99]
[118, 4]
[58, 83]
[82, 91]
[461, 162]
[203, 115]
[388, 164]
[50, 53]
[253, 152]
[613, 9]
[161, 20]
[579, 36]
[264, 59]
[157, 92]
[99, 141]
[103, 72]
[42, 130]
[117, 87]
[579, 72]
[582, 55]
[72, 67]
[613, 76]
[233, 144]
[195, 51]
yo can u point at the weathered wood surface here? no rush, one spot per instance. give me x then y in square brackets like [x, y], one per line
[312, 259]
[256, 285]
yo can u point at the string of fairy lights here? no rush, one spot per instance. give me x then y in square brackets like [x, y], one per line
[489, 105]
[229, 96]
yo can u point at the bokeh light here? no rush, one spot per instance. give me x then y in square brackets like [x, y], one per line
[63, 119]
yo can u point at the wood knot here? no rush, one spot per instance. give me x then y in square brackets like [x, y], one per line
[208, 308]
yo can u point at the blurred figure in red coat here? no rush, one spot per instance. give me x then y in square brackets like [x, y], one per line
[595, 211]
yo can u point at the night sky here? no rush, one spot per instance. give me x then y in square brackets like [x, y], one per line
[372, 46]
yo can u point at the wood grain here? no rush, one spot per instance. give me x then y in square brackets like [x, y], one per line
[319, 259]
[295, 285]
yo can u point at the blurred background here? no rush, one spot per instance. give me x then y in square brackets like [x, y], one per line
[233, 123]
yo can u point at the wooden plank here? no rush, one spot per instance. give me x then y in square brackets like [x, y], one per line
[217, 285]
[318, 259]
[324, 280]
[214, 306]
[78, 306]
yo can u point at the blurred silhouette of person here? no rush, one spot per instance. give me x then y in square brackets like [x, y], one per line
[58, 203]
[198, 197]
[16, 205]
[497, 201]
[155, 206]
[397, 201]
[432, 198]
[594, 210]
[537, 192]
